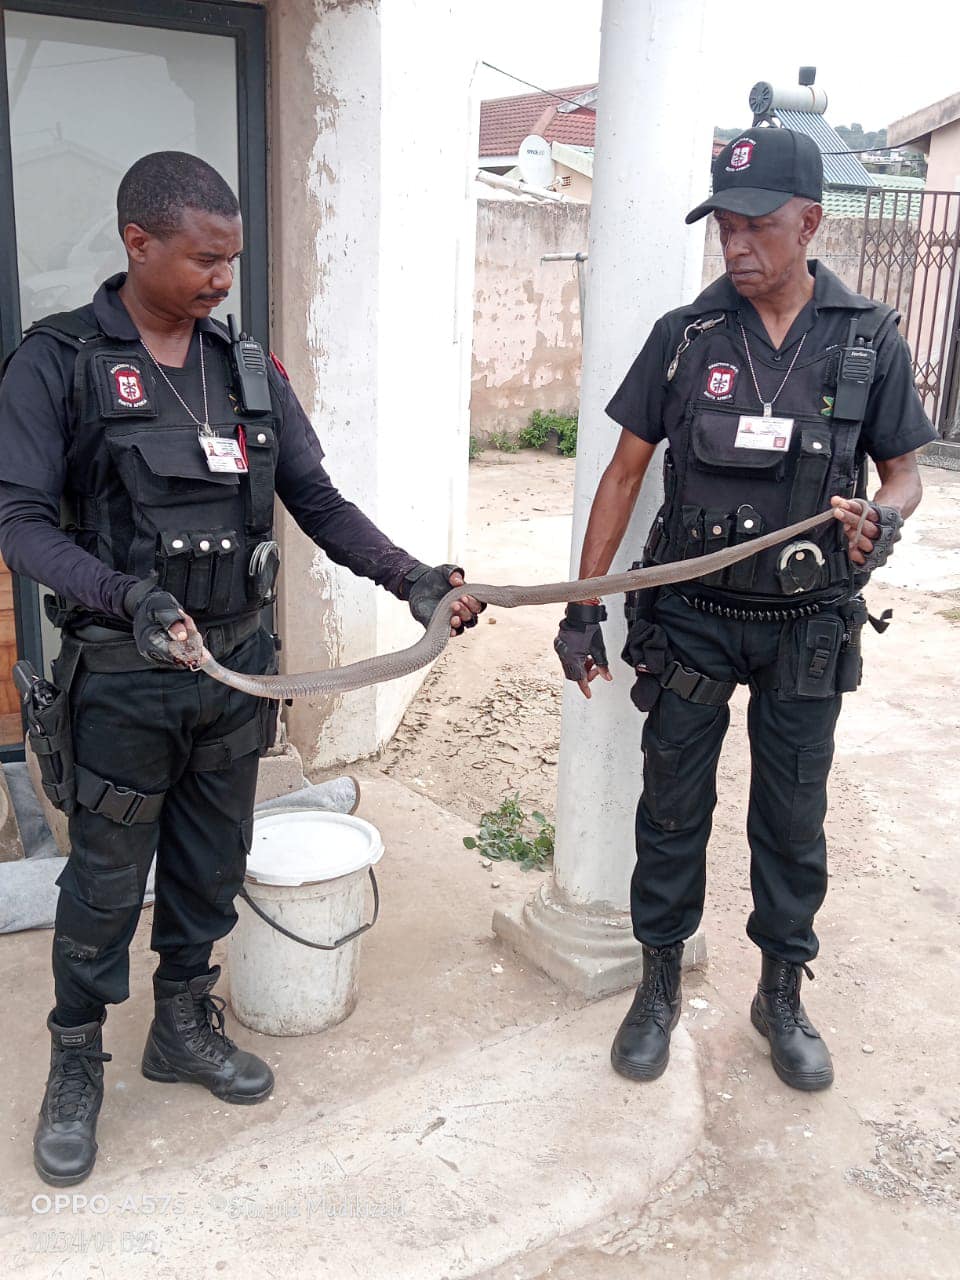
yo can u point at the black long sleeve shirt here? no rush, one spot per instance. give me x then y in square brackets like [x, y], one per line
[36, 419]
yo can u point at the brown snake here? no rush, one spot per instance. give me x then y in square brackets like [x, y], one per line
[434, 640]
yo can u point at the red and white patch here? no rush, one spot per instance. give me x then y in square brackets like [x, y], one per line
[721, 380]
[128, 384]
[741, 155]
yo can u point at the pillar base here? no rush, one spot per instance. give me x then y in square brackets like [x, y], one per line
[594, 954]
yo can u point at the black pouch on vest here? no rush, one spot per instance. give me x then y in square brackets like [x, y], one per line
[716, 535]
[749, 525]
[813, 463]
[692, 521]
[48, 728]
[812, 653]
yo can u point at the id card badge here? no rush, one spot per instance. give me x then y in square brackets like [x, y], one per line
[772, 434]
[223, 456]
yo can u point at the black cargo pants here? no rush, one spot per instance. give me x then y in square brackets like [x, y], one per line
[159, 733]
[791, 749]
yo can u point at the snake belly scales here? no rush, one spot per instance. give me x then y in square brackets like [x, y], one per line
[391, 666]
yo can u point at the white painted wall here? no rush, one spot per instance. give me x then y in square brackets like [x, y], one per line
[429, 126]
[374, 225]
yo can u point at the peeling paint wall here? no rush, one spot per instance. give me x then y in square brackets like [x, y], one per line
[526, 331]
[370, 283]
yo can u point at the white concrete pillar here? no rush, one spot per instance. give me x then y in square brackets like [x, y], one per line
[651, 166]
[373, 230]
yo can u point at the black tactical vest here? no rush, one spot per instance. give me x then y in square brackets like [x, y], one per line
[720, 492]
[139, 494]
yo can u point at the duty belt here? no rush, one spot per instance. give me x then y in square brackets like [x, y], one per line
[758, 613]
[104, 650]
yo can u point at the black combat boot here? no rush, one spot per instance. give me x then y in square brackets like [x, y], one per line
[799, 1056]
[641, 1048]
[65, 1143]
[187, 1043]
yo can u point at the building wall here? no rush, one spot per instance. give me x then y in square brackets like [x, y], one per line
[579, 187]
[371, 256]
[943, 160]
[526, 336]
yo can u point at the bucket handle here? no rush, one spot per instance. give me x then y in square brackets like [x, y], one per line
[319, 946]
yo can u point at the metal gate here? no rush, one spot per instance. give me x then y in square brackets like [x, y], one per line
[909, 259]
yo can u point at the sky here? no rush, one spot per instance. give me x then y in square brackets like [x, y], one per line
[876, 62]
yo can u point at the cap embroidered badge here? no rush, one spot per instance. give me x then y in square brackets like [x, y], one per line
[761, 170]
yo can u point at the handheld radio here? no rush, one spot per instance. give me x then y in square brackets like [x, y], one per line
[249, 370]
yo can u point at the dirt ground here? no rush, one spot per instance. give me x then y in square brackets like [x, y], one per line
[861, 1181]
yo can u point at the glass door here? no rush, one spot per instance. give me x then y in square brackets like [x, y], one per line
[84, 91]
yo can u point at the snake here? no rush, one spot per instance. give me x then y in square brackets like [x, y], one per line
[392, 666]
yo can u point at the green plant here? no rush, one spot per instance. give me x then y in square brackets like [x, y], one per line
[474, 449]
[535, 434]
[504, 441]
[567, 439]
[540, 427]
[507, 835]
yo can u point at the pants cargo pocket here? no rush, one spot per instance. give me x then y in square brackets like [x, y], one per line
[681, 743]
[809, 807]
[230, 869]
[95, 908]
[118, 887]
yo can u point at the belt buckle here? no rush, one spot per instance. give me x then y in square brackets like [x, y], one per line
[683, 681]
[128, 815]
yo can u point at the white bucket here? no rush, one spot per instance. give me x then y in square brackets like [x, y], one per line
[308, 871]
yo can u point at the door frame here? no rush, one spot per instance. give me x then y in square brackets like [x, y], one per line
[246, 25]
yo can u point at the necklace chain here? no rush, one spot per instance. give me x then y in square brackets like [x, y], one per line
[768, 404]
[204, 426]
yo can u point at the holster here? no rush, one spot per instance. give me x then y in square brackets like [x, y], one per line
[646, 645]
[853, 614]
[48, 729]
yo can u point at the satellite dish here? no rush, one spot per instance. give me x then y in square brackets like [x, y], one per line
[535, 161]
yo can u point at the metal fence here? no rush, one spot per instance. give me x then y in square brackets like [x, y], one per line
[909, 258]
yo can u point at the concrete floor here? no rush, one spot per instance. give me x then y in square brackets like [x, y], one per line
[464, 1108]
[464, 1121]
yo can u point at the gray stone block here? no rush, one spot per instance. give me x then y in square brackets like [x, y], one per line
[280, 772]
[11, 844]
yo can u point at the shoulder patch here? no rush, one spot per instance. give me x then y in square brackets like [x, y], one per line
[279, 367]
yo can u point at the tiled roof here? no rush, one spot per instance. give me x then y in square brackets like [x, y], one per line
[505, 122]
[902, 202]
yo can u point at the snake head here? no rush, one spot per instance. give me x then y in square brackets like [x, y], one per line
[189, 653]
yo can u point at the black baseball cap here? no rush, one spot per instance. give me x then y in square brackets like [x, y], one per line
[761, 170]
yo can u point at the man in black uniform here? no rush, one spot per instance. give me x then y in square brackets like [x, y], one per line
[141, 454]
[771, 390]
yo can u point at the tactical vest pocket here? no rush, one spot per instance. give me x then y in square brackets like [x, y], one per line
[713, 449]
[166, 466]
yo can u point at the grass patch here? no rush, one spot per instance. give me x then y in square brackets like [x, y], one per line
[504, 441]
[507, 835]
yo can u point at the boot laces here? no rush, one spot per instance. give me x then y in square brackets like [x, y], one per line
[209, 1032]
[652, 1002]
[786, 995]
[77, 1081]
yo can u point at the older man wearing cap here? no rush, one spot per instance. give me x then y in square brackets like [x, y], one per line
[772, 390]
